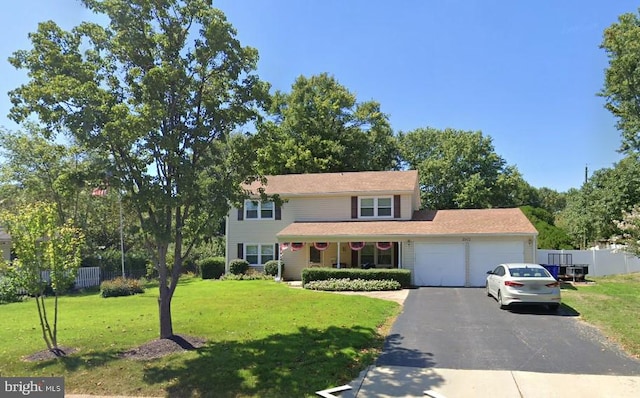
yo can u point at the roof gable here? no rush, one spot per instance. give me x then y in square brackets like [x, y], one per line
[369, 182]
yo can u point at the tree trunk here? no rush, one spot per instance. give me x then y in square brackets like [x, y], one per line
[164, 300]
[164, 305]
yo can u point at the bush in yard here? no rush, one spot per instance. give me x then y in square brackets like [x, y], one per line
[238, 266]
[402, 276]
[211, 267]
[121, 287]
[271, 268]
[8, 289]
[250, 276]
[346, 284]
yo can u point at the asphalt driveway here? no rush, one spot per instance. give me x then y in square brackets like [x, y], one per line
[462, 328]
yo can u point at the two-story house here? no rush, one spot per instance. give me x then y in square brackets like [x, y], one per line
[373, 219]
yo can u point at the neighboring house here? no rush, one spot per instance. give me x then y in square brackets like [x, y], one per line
[5, 245]
[373, 218]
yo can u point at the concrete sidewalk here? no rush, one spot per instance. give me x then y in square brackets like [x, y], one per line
[400, 381]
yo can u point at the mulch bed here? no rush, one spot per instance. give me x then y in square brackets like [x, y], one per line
[160, 347]
[46, 355]
[157, 348]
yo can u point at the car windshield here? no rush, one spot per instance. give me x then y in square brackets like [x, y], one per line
[528, 272]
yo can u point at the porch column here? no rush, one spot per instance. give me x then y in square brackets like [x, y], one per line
[338, 256]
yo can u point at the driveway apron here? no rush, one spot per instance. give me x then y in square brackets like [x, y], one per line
[462, 328]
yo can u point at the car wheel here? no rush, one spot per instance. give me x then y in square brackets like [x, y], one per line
[554, 307]
[500, 304]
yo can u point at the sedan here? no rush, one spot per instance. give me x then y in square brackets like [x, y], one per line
[523, 283]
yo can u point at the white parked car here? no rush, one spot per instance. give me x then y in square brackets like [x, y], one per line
[523, 283]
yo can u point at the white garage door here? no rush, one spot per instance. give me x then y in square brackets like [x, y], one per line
[439, 264]
[485, 256]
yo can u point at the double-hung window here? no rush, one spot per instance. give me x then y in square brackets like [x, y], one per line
[254, 210]
[374, 207]
[257, 254]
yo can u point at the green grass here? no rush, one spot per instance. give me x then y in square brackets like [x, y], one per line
[264, 340]
[612, 304]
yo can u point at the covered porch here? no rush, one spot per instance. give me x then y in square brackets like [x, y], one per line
[337, 245]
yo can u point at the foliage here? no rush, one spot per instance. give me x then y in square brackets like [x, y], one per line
[238, 266]
[630, 228]
[549, 236]
[271, 267]
[402, 276]
[42, 245]
[160, 89]
[250, 276]
[121, 287]
[622, 78]
[551, 200]
[255, 331]
[8, 287]
[347, 284]
[211, 267]
[591, 212]
[460, 169]
[320, 127]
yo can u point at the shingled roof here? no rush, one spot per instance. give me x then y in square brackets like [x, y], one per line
[371, 182]
[431, 223]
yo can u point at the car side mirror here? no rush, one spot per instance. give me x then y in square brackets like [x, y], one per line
[489, 272]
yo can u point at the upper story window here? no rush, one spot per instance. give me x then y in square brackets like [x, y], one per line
[254, 210]
[376, 207]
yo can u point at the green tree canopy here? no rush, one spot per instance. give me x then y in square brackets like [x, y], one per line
[591, 212]
[460, 169]
[320, 127]
[160, 91]
[42, 247]
[622, 78]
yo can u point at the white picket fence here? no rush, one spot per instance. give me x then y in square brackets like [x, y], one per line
[601, 262]
[86, 277]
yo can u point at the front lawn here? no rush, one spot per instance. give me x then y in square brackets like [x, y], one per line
[612, 304]
[264, 340]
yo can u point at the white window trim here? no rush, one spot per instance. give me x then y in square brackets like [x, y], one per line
[260, 246]
[375, 206]
[246, 208]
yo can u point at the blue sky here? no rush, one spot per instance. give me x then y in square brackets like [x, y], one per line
[525, 73]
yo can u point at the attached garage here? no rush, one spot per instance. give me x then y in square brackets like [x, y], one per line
[464, 261]
[439, 264]
[486, 255]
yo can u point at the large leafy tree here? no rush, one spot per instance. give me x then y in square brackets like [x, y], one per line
[47, 252]
[41, 170]
[159, 90]
[320, 127]
[460, 169]
[622, 78]
[591, 212]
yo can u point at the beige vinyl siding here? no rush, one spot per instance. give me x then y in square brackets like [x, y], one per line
[335, 208]
[408, 259]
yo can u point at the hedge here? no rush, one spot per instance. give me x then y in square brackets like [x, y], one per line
[402, 276]
[211, 267]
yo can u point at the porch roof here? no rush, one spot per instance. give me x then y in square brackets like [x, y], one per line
[423, 223]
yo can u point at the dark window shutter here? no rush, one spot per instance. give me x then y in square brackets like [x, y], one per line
[277, 247]
[395, 254]
[396, 206]
[278, 212]
[240, 250]
[354, 258]
[241, 213]
[354, 207]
